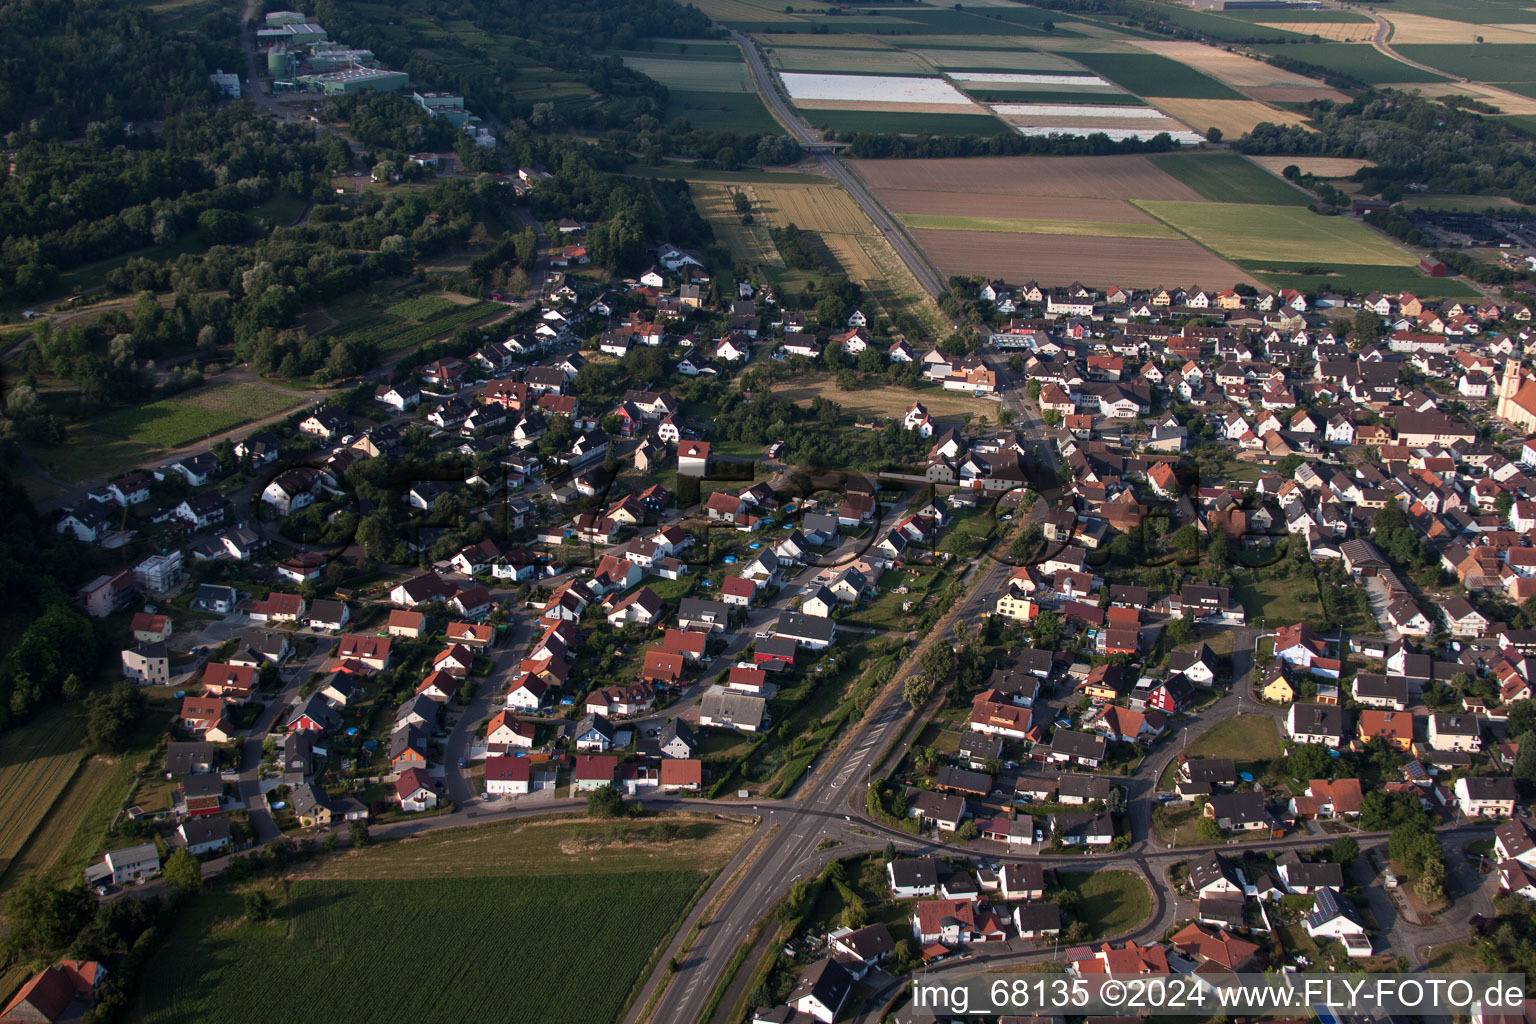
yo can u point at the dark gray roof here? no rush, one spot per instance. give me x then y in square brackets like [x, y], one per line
[911, 872]
[1327, 905]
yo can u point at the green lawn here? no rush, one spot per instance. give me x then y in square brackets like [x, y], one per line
[1229, 178]
[331, 939]
[1357, 60]
[1241, 737]
[1361, 278]
[1038, 227]
[1150, 74]
[168, 423]
[1110, 903]
[1279, 599]
[897, 123]
[1243, 231]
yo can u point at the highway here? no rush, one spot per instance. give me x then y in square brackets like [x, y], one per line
[762, 77]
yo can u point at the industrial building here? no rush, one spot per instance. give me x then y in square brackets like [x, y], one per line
[335, 83]
[447, 105]
[227, 84]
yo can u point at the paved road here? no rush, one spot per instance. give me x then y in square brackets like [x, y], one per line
[887, 225]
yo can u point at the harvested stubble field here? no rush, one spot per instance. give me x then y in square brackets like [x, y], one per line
[1233, 117]
[40, 757]
[1507, 101]
[1336, 31]
[57, 829]
[822, 208]
[1240, 72]
[890, 402]
[749, 243]
[1131, 262]
[1322, 166]
[1421, 29]
[1109, 177]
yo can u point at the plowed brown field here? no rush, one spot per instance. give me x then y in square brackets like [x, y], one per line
[1130, 262]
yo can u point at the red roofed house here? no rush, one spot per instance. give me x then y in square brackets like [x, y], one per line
[593, 771]
[507, 776]
[1324, 798]
[415, 790]
[278, 608]
[149, 628]
[1130, 959]
[473, 635]
[456, 660]
[681, 773]
[955, 922]
[999, 719]
[230, 682]
[64, 991]
[199, 714]
[372, 651]
[440, 686]
[504, 733]
[407, 624]
[737, 590]
[662, 667]
[689, 644]
[1220, 948]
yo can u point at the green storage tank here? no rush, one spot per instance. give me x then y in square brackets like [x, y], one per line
[279, 63]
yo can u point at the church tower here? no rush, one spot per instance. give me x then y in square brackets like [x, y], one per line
[1509, 386]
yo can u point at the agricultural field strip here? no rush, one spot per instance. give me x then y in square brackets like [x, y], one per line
[1064, 110]
[1107, 229]
[1180, 135]
[1133, 262]
[44, 758]
[1241, 231]
[695, 75]
[873, 88]
[1000, 78]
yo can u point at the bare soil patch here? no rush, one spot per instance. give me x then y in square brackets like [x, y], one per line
[1294, 93]
[1105, 177]
[1129, 262]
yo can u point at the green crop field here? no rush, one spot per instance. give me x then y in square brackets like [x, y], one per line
[1363, 279]
[1481, 62]
[390, 334]
[849, 61]
[1219, 26]
[723, 112]
[562, 949]
[694, 74]
[1149, 74]
[1252, 232]
[173, 422]
[1357, 60]
[1477, 12]
[168, 423]
[1038, 227]
[988, 93]
[424, 307]
[1228, 178]
[897, 123]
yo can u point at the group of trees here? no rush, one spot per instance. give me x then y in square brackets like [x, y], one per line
[1408, 138]
[1005, 143]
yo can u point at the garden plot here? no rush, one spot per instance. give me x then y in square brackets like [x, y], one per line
[892, 92]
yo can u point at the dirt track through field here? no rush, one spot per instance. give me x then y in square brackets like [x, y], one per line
[1054, 259]
[1088, 177]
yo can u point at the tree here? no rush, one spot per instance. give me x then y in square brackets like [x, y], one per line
[967, 832]
[916, 691]
[1431, 883]
[1047, 628]
[1344, 850]
[1207, 829]
[1525, 767]
[854, 915]
[1213, 134]
[1217, 549]
[605, 802]
[258, 907]
[182, 871]
[937, 661]
[358, 834]
[43, 917]
[1180, 631]
[1522, 718]
[1307, 761]
[110, 720]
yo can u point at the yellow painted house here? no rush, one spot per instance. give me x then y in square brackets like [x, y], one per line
[1275, 687]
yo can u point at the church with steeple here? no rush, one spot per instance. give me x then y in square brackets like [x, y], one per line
[1517, 397]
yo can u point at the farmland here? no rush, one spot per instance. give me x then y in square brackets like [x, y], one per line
[1151, 74]
[1113, 177]
[1233, 117]
[1366, 63]
[393, 333]
[55, 835]
[1229, 178]
[1037, 227]
[41, 757]
[172, 422]
[331, 938]
[1482, 62]
[711, 88]
[851, 122]
[1133, 262]
[1252, 232]
[1253, 77]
